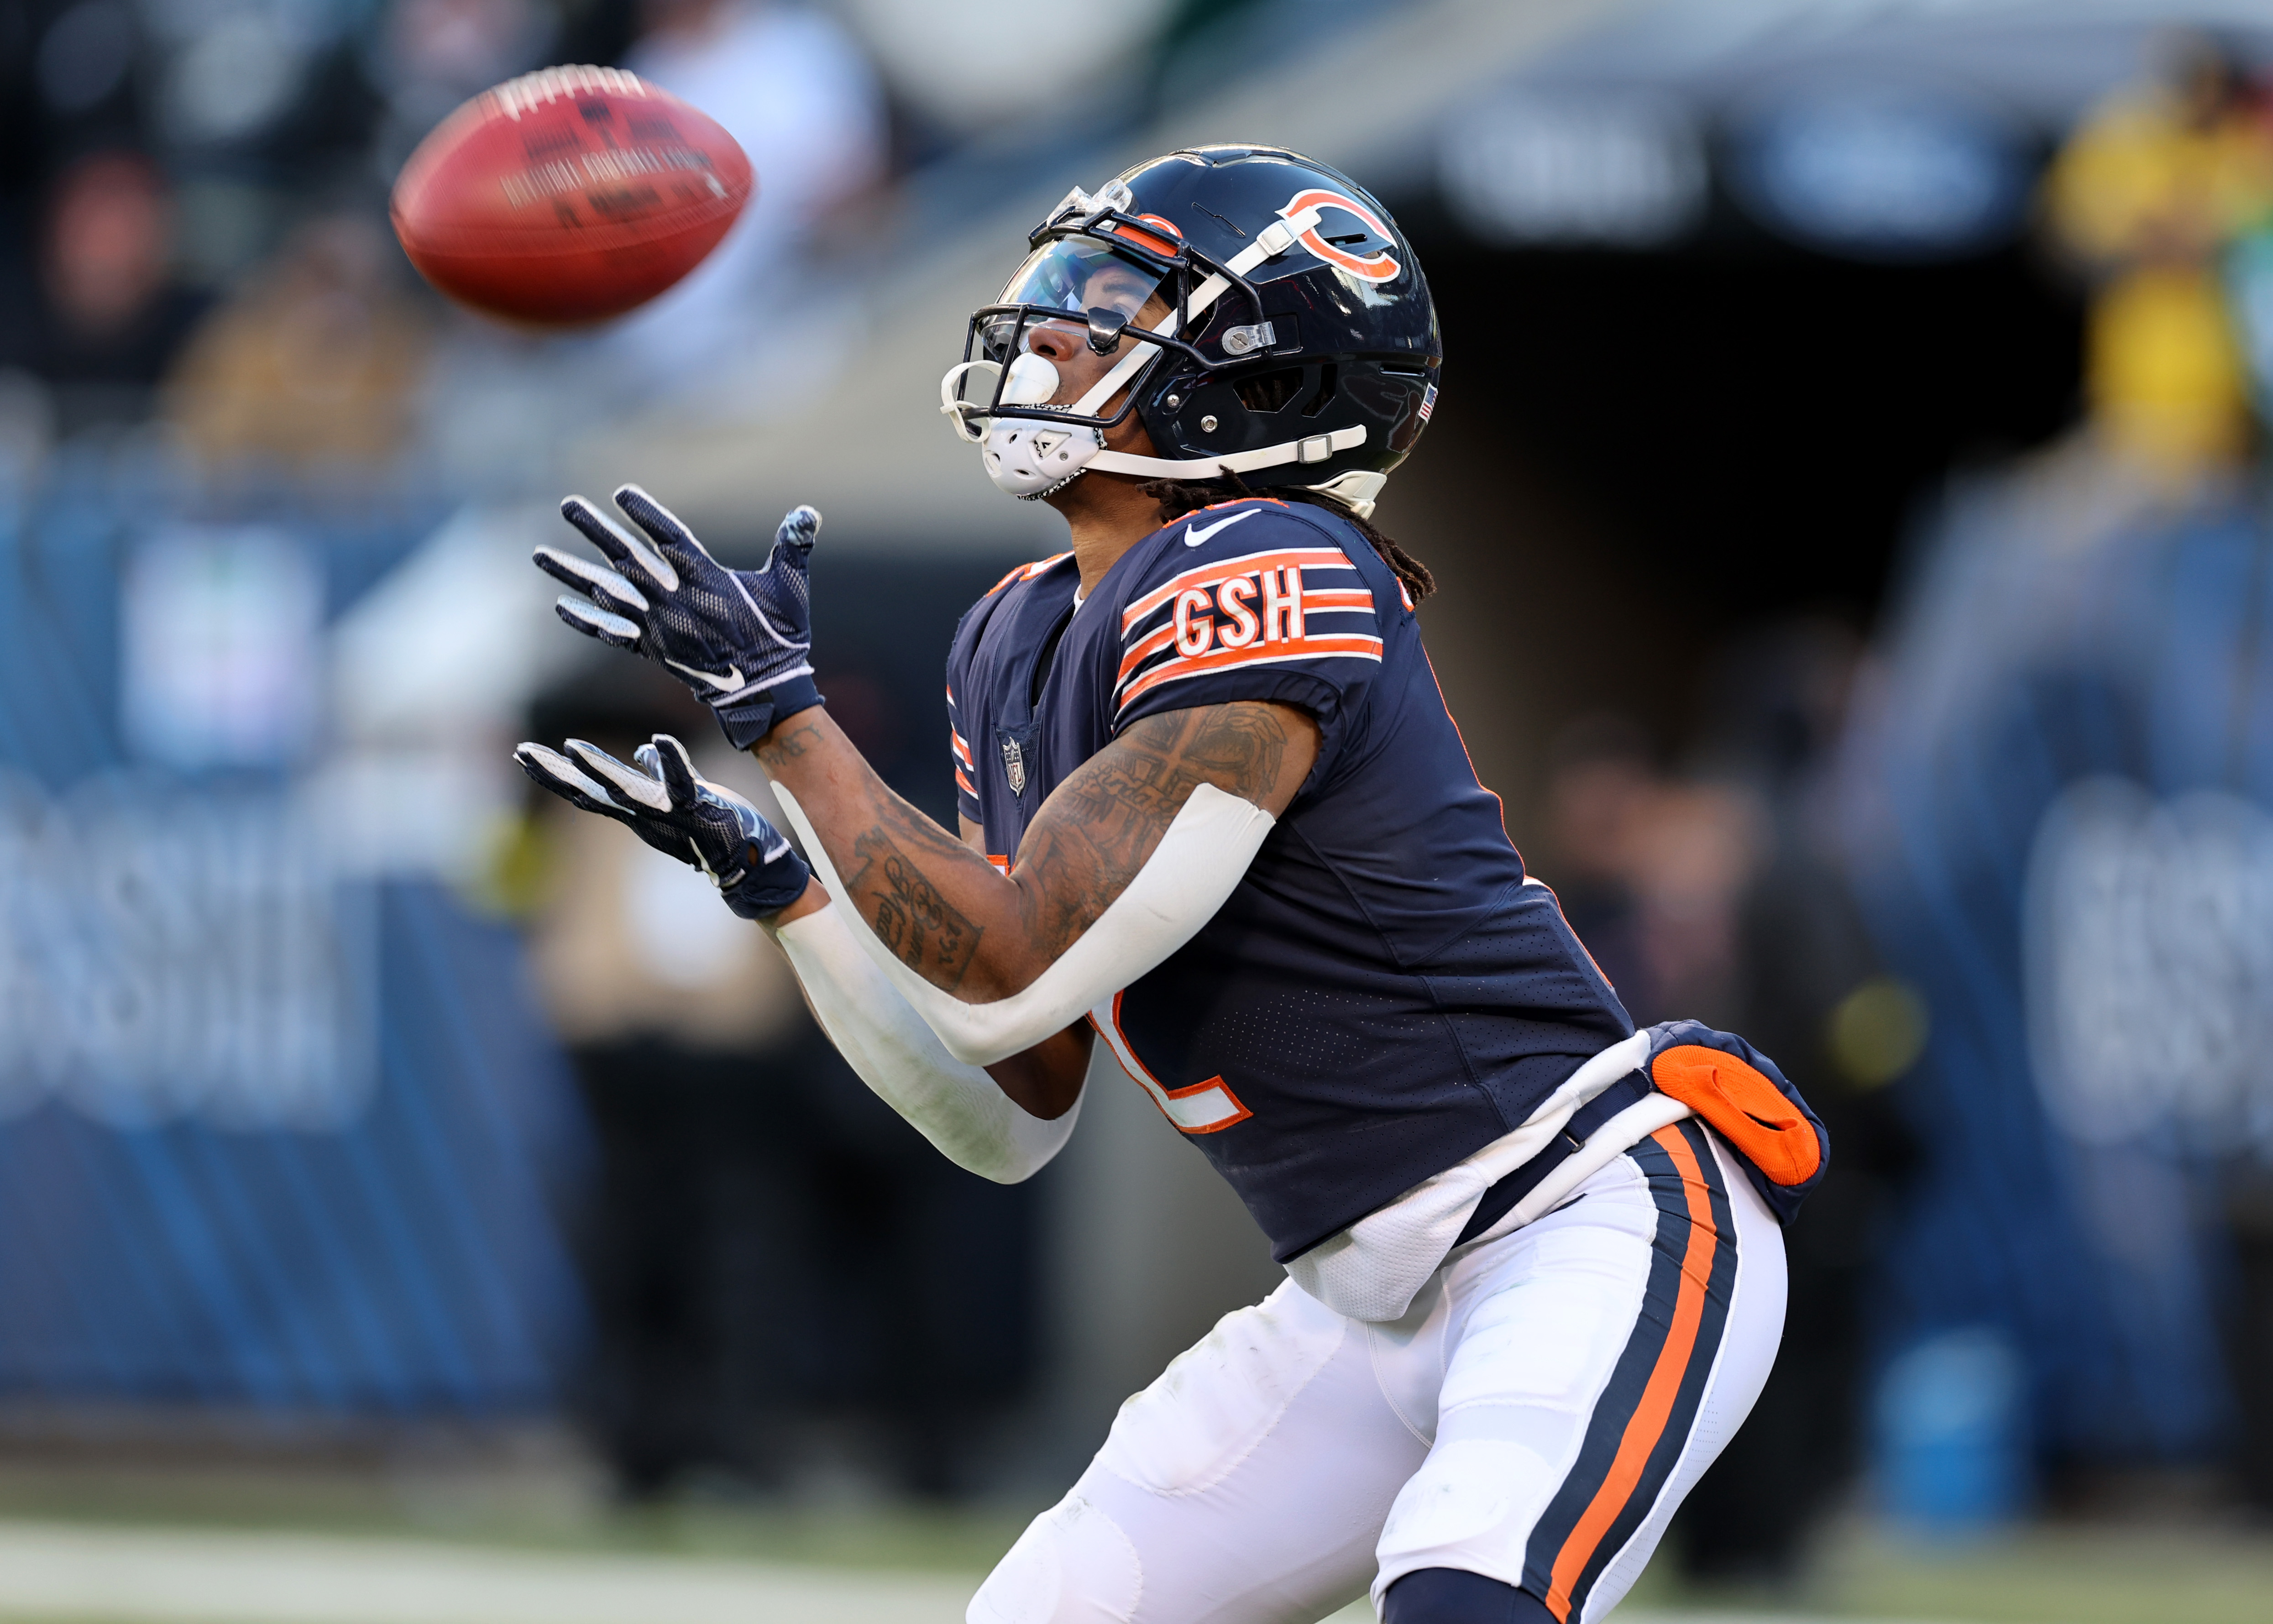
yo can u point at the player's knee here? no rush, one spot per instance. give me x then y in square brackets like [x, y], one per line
[1449, 1595]
[1073, 1565]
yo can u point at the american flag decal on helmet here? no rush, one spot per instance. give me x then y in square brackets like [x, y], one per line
[1427, 403]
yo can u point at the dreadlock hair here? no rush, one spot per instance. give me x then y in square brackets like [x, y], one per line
[1179, 497]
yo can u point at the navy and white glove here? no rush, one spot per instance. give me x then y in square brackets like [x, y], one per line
[742, 639]
[682, 814]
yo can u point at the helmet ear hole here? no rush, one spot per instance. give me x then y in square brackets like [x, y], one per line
[1269, 392]
[1329, 379]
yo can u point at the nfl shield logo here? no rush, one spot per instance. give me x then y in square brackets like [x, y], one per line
[1014, 765]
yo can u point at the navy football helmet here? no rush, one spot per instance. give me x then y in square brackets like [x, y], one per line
[1298, 347]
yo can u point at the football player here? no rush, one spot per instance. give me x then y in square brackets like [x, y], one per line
[1215, 816]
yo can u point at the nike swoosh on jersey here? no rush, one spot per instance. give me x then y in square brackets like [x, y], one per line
[727, 684]
[1198, 533]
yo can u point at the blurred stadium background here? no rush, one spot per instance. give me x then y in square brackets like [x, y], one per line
[1848, 490]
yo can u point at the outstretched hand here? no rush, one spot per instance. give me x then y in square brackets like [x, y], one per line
[681, 814]
[741, 639]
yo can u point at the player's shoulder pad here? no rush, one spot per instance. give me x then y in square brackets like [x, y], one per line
[995, 598]
[1027, 572]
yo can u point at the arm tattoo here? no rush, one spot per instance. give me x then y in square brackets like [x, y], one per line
[787, 742]
[886, 881]
[924, 931]
[1103, 821]
[908, 911]
[1089, 838]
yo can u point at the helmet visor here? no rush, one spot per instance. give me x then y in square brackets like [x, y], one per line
[1076, 275]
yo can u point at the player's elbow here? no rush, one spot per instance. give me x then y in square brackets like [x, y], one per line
[1031, 1145]
[1011, 1172]
[1003, 968]
[1001, 1163]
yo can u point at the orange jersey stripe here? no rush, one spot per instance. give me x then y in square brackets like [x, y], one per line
[1024, 572]
[1208, 575]
[965, 784]
[1353, 598]
[1254, 654]
[1145, 648]
[1647, 1423]
[962, 750]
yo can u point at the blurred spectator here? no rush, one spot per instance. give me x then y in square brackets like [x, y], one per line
[946, 69]
[1694, 850]
[113, 316]
[780, 1267]
[27, 427]
[1649, 870]
[429, 56]
[2034, 825]
[1803, 983]
[1724, 897]
[692, 1236]
[637, 943]
[316, 361]
[791, 87]
[2031, 797]
[82, 63]
[1602, 781]
[2148, 193]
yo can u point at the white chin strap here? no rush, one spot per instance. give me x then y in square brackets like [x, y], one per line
[1031, 457]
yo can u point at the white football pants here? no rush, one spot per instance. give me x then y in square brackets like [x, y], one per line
[1535, 1418]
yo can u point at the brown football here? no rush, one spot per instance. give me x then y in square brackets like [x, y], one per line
[567, 196]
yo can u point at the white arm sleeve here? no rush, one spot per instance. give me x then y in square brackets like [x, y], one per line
[1190, 874]
[957, 1107]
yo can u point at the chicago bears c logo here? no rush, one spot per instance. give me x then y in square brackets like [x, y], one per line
[1373, 267]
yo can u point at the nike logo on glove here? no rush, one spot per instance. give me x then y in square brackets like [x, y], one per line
[727, 684]
[1198, 533]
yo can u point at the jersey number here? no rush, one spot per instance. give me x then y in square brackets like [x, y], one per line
[1203, 1107]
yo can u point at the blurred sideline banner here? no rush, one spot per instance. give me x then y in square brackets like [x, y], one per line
[272, 1134]
[2059, 804]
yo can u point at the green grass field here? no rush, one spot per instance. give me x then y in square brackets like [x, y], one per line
[548, 1525]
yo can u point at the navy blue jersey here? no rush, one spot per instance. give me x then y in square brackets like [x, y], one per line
[1385, 993]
